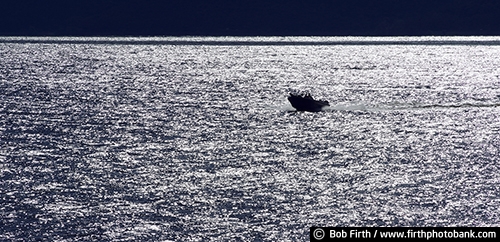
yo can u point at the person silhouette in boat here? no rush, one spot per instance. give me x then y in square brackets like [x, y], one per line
[307, 95]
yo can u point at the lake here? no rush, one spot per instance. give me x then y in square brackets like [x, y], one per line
[193, 139]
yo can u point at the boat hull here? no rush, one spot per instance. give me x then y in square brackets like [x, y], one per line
[306, 103]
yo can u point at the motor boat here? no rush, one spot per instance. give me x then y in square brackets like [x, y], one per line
[305, 102]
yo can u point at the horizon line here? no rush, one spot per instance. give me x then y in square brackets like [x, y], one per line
[256, 40]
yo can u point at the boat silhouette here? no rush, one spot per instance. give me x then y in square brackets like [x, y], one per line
[305, 102]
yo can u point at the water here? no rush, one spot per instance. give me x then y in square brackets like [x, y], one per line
[191, 139]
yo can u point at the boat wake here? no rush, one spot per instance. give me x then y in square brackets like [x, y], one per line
[405, 106]
[460, 105]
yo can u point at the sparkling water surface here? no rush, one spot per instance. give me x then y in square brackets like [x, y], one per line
[192, 139]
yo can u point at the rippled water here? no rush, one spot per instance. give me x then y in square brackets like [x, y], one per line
[185, 141]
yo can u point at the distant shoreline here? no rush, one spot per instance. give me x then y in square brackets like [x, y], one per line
[260, 41]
